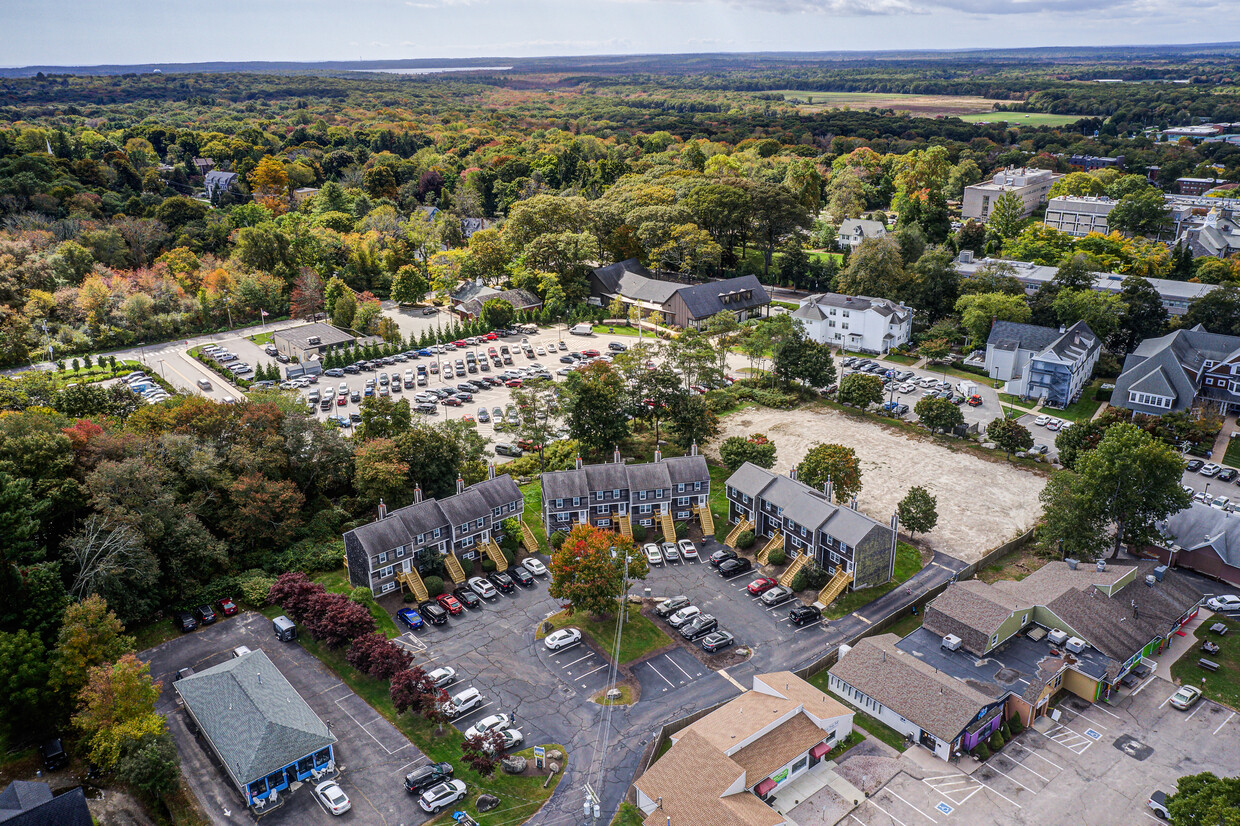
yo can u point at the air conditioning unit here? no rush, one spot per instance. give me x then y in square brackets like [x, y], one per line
[1057, 636]
[314, 340]
[951, 642]
[1076, 645]
[1150, 579]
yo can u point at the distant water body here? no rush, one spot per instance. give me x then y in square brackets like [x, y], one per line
[436, 69]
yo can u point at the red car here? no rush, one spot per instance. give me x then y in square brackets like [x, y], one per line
[451, 401]
[513, 383]
[341, 401]
[491, 337]
[590, 353]
[227, 606]
[460, 345]
[761, 585]
[975, 401]
[450, 604]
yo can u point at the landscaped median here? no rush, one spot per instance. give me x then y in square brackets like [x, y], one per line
[1222, 686]
[639, 637]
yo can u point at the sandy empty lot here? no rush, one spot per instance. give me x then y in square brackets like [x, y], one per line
[981, 504]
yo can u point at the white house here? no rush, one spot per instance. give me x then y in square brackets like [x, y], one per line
[855, 322]
[1042, 362]
[855, 230]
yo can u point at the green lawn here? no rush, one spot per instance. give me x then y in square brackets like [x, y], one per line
[1232, 457]
[875, 728]
[94, 374]
[1222, 686]
[818, 255]
[640, 636]
[338, 582]
[521, 796]
[906, 626]
[150, 634]
[261, 338]
[533, 512]
[619, 330]
[628, 815]
[719, 499]
[908, 562]
[1081, 410]
[787, 305]
[896, 358]
[1023, 118]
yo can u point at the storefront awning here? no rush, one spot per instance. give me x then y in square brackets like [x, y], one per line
[820, 749]
[764, 788]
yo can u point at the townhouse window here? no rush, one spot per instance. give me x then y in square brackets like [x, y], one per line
[845, 314]
[680, 488]
[658, 493]
[437, 532]
[697, 485]
[400, 552]
[421, 539]
[390, 586]
[576, 501]
[641, 495]
[779, 511]
[745, 499]
[559, 503]
[496, 512]
[643, 508]
[387, 571]
[479, 523]
[599, 495]
[615, 494]
[463, 528]
[382, 557]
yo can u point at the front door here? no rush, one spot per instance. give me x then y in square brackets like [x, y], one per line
[405, 566]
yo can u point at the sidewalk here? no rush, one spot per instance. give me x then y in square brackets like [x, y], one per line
[1178, 645]
[1223, 439]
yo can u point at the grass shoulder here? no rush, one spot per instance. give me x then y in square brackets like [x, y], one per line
[628, 815]
[617, 330]
[639, 637]
[1232, 457]
[908, 563]
[1015, 565]
[1222, 686]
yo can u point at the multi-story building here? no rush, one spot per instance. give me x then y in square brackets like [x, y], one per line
[1180, 370]
[1032, 185]
[1088, 163]
[1079, 215]
[674, 303]
[414, 537]
[836, 537]
[855, 230]
[1041, 362]
[602, 494]
[1196, 186]
[855, 322]
[1175, 295]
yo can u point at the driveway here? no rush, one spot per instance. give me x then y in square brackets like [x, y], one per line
[372, 754]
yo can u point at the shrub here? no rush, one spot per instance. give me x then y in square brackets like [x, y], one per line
[800, 581]
[308, 555]
[488, 566]
[745, 540]
[1015, 725]
[996, 740]
[557, 539]
[682, 530]
[409, 597]
[334, 619]
[508, 555]
[777, 557]
[434, 585]
[254, 587]
[639, 534]
[361, 595]
[981, 752]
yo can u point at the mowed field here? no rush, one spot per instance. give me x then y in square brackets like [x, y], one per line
[1027, 118]
[925, 105]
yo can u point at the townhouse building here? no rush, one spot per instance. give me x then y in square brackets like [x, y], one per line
[855, 322]
[420, 535]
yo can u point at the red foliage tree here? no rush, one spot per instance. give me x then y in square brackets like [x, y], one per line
[413, 690]
[334, 619]
[376, 655]
[296, 593]
[483, 751]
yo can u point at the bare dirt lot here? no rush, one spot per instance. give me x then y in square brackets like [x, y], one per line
[981, 504]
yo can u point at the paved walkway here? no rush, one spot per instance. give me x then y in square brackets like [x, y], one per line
[1099, 411]
[1223, 439]
[1179, 645]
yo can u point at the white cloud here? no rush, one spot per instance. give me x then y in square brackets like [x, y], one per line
[983, 8]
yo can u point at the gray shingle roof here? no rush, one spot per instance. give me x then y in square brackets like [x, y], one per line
[1011, 335]
[971, 606]
[498, 491]
[254, 718]
[607, 476]
[802, 504]
[401, 526]
[465, 507]
[565, 484]
[704, 300]
[609, 276]
[687, 469]
[1201, 526]
[860, 303]
[29, 803]
[750, 479]
[649, 476]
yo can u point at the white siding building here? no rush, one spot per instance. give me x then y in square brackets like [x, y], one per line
[1032, 185]
[855, 322]
[855, 230]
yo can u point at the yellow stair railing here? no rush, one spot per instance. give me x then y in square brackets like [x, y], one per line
[413, 581]
[790, 573]
[528, 538]
[741, 527]
[708, 520]
[626, 527]
[454, 569]
[834, 588]
[497, 555]
[776, 541]
[669, 526]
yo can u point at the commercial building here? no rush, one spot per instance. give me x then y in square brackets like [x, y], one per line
[1196, 133]
[807, 524]
[1180, 370]
[311, 341]
[1201, 538]
[855, 230]
[263, 734]
[728, 768]
[985, 652]
[1033, 186]
[1079, 215]
[1042, 362]
[419, 536]
[614, 494]
[855, 322]
[1175, 295]
[1196, 186]
[673, 304]
[1088, 163]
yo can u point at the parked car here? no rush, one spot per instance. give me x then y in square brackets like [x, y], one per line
[1158, 805]
[717, 641]
[534, 566]
[462, 702]
[1194, 465]
[442, 677]
[494, 721]
[670, 553]
[483, 587]
[683, 615]
[671, 605]
[719, 557]
[761, 585]
[467, 597]
[776, 595]
[1224, 602]
[803, 614]
[699, 626]
[502, 581]
[205, 614]
[450, 604]
[186, 622]
[521, 576]
[1186, 697]
[227, 607]
[445, 794]
[687, 549]
[433, 613]
[562, 638]
[1209, 469]
[421, 779]
[733, 567]
[1228, 474]
[653, 555]
[332, 797]
[54, 754]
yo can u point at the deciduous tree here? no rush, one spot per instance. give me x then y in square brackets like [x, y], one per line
[1009, 434]
[90, 635]
[483, 751]
[940, 415]
[835, 463]
[586, 576]
[861, 390]
[381, 472]
[755, 448]
[918, 510]
[116, 707]
[334, 619]
[295, 593]
[376, 655]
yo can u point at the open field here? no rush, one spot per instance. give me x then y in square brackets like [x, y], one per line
[1024, 118]
[981, 503]
[925, 105]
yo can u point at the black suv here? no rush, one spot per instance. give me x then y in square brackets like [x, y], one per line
[522, 576]
[185, 621]
[502, 581]
[719, 557]
[1194, 465]
[734, 566]
[205, 614]
[671, 605]
[803, 614]
[699, 626]
[419, 780]
[433, 613]
[54, 754]
[467, 597]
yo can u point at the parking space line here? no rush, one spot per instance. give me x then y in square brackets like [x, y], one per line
[993, 767]
[401, 770]
[1023, 766]
[567, 648]
[1220, 725]
[963, 779]
[1001, 794]
[368, 734]
[1197, 709]
[660, 673]
[678, 668]
[1164, 702]
[889, 814]
[595, 671]
[1040, 757]
[1091, 722]
[574, 662]
[1137, 690]
[1104, 711]
[911, 806]
[469, 714]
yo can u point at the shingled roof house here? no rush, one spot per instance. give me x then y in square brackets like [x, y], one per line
[1201, 538]
[674, 304]
[855, 322]
[1176, 371]
[988, 652]
[28, 803]
[262, 732]
[601, 494]
[419, 534]
[1041, 362]
[728, 767]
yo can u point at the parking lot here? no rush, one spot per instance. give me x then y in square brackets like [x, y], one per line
[1096, 764]
[373, 756]
[925, 381]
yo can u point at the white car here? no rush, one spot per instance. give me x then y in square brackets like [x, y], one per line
[445, 794]
[1041, 421]
[541, 351]
[653, 555]
[1224, 602]
[332, 797]
[1209, 469]
[482, 588]
[495, 721]
[512, 738]
[683, 615]
[1054, 424]
[443, 677]
[534, 566]
[687, 549]
[562, 638]
[462, 703]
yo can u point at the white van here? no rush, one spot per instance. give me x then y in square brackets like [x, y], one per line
[581, 330]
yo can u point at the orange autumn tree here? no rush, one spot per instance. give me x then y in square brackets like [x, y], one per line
[586, 575]
[269, 185]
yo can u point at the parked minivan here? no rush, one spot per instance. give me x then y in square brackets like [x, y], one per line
[503, 449]
[285, 628]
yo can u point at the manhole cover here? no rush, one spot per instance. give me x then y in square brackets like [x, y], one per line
[1133, 747]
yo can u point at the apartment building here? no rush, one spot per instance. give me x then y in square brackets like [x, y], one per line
[1079, 215]
[1181, 370]
[1042, 362]
[855, 322]
[413, 537]
[1032, 185]
[601, 494]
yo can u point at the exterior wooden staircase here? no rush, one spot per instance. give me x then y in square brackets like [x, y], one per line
[669, 526]
[626, 527]
[528, 539]
[496, 555]
[413, 581]
[791, 571]
[834, 588]
[708, 521]
[453, 566]
[776, 541]
[741, 527]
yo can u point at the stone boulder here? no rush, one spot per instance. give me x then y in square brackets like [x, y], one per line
[487, 802]
[555, 754]
[513, 765]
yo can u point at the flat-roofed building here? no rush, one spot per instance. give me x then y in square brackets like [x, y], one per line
[1032, 186]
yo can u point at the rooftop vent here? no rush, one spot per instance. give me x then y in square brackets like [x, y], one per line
[1101, 564]
[314, 340]
[951, 642]
[1076, 645]
[1072, 563]
[1057, 636]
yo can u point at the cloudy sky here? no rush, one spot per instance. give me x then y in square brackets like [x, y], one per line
[84, 32]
